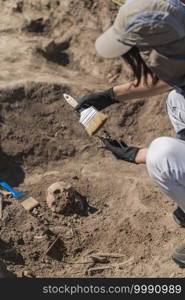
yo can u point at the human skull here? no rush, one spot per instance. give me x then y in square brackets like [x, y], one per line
[62, 198]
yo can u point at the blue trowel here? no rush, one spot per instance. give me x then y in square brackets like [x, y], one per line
[15, 194]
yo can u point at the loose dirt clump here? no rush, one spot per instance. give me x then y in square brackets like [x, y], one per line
[54, 51]
[37, 26]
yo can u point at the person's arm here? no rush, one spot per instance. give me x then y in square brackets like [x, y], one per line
[130, 91]
[119, 93]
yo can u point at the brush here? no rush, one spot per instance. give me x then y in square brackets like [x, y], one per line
[90, 117]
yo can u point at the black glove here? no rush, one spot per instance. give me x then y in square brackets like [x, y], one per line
[98, 100]
[120, 149]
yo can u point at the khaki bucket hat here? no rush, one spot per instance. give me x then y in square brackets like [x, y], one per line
[143, 23]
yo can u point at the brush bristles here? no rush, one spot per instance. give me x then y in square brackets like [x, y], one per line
[96, 123]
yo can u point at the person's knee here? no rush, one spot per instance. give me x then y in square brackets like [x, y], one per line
[175, 99]
[160, 150]
[171, 98]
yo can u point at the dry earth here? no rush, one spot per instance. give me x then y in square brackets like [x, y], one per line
[47, 48]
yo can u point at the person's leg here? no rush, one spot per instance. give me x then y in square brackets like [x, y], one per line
[175, 104]
[165, 160]
[166, 166]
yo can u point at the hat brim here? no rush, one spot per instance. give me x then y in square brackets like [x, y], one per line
[109, 46]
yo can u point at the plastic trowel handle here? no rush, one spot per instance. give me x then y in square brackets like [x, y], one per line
[15, 194]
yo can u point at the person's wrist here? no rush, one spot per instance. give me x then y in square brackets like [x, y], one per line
[122, 92]
[116, 93]
[141, 156]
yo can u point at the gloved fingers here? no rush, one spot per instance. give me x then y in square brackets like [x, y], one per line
[109, 144]
[88, 100]
[104, 141]
[81, 105]
[115, 143]
[122, 144]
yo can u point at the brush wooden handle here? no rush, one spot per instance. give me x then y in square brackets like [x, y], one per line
[90, 118]
[96, 123]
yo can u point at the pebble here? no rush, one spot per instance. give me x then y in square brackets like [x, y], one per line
[28, 274]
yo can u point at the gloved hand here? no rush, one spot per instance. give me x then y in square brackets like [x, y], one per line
[98, 100]
[120, 149]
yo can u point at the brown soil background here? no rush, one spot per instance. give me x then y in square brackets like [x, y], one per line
[42, 142]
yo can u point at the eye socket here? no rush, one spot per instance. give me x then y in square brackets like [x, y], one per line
[56, 192]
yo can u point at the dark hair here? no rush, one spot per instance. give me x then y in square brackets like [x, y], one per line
[138, 66]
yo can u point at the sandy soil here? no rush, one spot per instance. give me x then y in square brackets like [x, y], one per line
[47, 49]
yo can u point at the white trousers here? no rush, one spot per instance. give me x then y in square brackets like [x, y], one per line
[166, 155]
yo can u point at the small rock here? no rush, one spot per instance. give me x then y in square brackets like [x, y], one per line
[28, 274]
[35, 211]
[18, 6]
[6, 194]
[30, 203]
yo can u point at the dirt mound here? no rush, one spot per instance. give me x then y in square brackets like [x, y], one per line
[47, 49]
